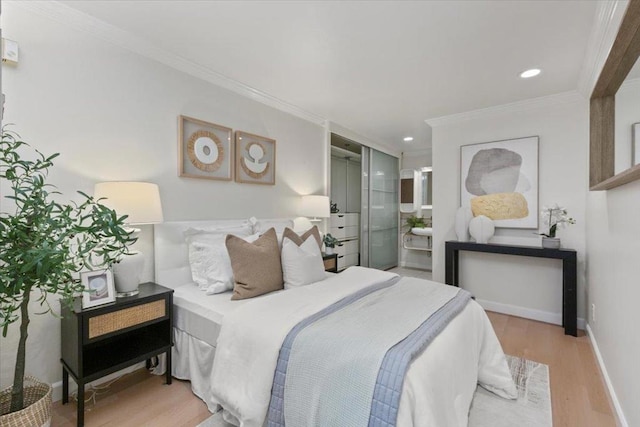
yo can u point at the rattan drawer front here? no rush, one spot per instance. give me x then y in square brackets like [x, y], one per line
[122, 319]
[330, 264]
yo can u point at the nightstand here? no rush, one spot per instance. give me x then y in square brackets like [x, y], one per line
[330, 262]
[101, 340]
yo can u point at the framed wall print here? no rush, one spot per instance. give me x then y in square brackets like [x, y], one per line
[500, 180]
[255, 159]
[205, 150]
[99, 288]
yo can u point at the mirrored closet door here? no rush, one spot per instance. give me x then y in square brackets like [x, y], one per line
[364, 189]
[383, 210]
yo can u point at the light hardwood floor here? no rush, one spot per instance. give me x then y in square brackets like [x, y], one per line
[578, 393]
[579, 397]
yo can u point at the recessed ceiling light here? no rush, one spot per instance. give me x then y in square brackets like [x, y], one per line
[408, 139]
[530, 73]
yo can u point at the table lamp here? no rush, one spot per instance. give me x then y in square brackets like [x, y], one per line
[141, 202]
[315, 206]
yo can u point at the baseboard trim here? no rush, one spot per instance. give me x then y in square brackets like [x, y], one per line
[527, 313]
[56, 393]
[416, 265]
[607, 380]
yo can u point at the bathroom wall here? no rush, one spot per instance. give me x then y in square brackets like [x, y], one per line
[412, 258]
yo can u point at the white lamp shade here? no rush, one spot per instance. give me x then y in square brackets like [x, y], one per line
[139, 200]
[315, 206]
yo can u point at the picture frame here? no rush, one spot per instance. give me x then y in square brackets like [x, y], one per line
[499, 179]
[98, 288]
[635, 143]
[205, 150]
[255, 159]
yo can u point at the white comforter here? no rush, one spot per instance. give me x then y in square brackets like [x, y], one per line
[437, 390]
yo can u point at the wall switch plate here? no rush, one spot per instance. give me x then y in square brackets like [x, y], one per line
[10, 52]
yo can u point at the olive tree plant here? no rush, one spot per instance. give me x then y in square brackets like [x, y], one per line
[44, 244]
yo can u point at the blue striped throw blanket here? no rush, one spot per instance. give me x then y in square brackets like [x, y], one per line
[345, 365]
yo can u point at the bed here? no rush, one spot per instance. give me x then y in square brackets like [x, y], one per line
[229, 350]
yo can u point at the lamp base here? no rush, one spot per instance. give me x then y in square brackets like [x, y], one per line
[127, 294]
[126, 274]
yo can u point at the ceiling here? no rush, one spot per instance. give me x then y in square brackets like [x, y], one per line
[379, 68]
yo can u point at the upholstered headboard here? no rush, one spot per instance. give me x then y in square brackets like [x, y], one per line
[171, 252]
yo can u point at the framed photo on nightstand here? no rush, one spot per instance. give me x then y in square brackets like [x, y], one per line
[98, 288]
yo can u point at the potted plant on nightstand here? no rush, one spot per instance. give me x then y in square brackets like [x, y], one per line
[330, 242]
[43, 245]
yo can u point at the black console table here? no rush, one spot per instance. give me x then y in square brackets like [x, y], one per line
[569, 271]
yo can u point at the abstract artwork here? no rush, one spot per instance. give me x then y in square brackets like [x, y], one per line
[255, 159]
[205, 150]
[500, 181]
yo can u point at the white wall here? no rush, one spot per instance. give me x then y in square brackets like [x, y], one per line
[113, 116]
[531, 287]
[613, 242]
[613, 239]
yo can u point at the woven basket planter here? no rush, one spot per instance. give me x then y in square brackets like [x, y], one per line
[37, 413]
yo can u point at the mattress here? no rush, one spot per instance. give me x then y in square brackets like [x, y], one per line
[199, 314]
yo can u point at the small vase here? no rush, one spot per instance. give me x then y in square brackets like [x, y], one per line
[481, 228]
[551, 242]
[463, 217]
[328, 251]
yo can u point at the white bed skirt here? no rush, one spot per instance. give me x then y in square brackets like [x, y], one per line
[192, 360]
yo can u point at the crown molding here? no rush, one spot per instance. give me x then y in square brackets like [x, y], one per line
[361, 139]
[607, 21]
[418, 152]
[514, 107]
[75, 19]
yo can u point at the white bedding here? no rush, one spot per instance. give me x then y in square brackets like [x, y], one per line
[197, 321]
[200, 315]
[439, 384]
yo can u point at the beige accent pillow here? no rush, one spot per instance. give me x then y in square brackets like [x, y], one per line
[256, 266]
[298, 239]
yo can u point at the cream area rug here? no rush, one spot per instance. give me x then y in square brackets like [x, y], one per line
[531, 409]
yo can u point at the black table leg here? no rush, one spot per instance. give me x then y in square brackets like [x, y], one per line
[168, 373]
[65, 386]
[569, 296]
[451, 265]
[456, 268]
[80, 404]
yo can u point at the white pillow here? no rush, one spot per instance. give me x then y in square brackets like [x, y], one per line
[262, 225]
[244, 229]
[301, 265]
[209, 259]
